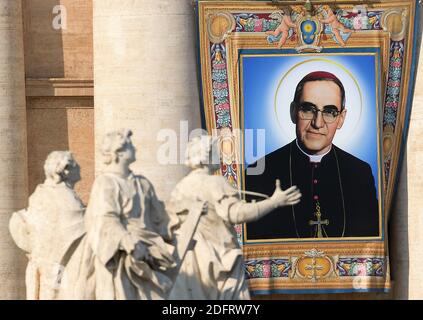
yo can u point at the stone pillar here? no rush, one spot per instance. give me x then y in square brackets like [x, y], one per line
[13, 154]
[407, 217]
[145, 77]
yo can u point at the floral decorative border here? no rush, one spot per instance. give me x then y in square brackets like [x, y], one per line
[354, 267]
[348, 266]
[273, 268]
[220, 86]
[345, 267]
[392, 97]
[262, 22]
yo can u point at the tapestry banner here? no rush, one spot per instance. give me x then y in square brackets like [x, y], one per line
[317, 95]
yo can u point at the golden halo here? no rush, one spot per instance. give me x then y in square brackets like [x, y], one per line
[319, 60]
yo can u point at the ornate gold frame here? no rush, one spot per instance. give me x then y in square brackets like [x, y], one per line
[216, 24]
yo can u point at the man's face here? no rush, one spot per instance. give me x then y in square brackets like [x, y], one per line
[316, 135]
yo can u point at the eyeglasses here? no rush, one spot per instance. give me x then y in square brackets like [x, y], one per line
[308, 111]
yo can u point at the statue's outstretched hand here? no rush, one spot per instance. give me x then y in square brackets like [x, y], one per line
[288, 197]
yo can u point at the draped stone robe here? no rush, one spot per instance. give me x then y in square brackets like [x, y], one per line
[213, 268]
[101, 269]
[48, 232]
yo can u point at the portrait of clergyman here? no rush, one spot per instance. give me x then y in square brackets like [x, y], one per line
[320, 117]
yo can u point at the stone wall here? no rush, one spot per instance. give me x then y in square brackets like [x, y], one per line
[59, 85]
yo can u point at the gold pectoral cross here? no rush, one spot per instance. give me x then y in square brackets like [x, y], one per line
[319, 221]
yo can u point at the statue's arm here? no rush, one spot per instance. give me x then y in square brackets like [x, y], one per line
[241, 212]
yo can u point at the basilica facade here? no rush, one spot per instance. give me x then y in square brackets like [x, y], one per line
[71, 70]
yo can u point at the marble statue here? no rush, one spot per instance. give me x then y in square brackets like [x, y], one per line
[126, 252]
[213, 265]
[50, 228]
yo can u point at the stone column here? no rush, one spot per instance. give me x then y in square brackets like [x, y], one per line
[145, 77]
[13, 154]
[407, 217]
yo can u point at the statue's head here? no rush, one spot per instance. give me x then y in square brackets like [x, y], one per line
[202, 152]
[60, 166]
[117, 147]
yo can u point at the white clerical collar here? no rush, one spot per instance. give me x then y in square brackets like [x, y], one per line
[313, 157]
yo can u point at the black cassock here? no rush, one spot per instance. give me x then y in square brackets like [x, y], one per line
[318, 183]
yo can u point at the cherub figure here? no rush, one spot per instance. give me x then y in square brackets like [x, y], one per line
[286, 23]
[336, 26]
